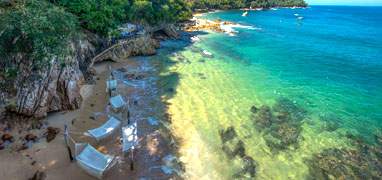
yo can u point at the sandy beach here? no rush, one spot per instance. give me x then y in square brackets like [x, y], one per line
[154, 141]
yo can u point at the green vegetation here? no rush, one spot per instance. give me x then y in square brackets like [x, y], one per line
[102, 16]
[99, 16]
[31, 34]
[235, 4]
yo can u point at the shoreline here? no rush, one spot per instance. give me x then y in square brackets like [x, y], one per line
[52, 158]
[41, 153]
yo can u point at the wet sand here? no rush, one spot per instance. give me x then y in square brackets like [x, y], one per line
[144, 101]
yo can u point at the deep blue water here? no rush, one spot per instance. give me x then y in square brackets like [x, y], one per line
[324, 62]
[330, 61]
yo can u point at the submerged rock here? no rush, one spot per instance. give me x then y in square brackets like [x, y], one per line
[228, 134]
[254, 109]
[286, 133]
[346, 164]
[233, 147]
[286, 106]
[248, 169]
[263, 118]
[281, 124]
[330, 123]
[378, 138]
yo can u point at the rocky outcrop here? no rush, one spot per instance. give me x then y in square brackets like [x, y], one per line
[57, 87]
[137, 45]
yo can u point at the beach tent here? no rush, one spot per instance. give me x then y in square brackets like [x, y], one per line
[129, 137]
[117, 102]
[94, 162]
[88, 158]
[106, 129]
[111, 85]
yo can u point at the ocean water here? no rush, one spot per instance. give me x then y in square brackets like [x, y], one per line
[327, 65]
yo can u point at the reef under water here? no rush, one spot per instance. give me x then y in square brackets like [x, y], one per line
[362, 162]
[233, 147]
[279, 124]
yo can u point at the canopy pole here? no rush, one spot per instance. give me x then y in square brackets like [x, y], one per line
[66, 134]
[132, 160]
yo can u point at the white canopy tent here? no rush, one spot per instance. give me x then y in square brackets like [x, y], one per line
[129, 137]
[117, 102]
[111, 85]
[88, 158]
[106, 129]
[94, 162]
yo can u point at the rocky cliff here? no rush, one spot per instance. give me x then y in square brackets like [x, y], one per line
[58, 87]
[54, 88]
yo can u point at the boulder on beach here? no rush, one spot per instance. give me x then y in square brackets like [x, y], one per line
[51, 133]
[38, 175]
[30, 137]
[7, 137]
[2, 146]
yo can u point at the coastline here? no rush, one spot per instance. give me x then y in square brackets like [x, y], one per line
[51, 158]
[156, 142]
[210, 117]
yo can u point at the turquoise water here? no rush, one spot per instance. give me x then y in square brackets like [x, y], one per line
[329, 64]
[330, 61]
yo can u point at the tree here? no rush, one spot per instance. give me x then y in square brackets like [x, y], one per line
[32, 33]
[99, 16]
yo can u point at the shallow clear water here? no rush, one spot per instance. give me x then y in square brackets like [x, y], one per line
[329, 63]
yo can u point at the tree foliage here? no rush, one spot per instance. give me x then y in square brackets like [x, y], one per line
[235, 4]
[99, 16]
[39, 30]
[102, 16]
[33, 32]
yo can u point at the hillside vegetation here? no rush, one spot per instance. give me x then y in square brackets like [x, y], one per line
[33, 32]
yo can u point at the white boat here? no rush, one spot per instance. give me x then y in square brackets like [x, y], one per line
[195, 39]
[300, 18]
[296, 15]
[206, 53]
[245, 14]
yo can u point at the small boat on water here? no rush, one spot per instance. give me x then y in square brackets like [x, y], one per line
[245, 14]
[207, 54]
[195, 39]
[300, 18]
[296, 15]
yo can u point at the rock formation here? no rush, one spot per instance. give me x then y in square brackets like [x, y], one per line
[57, 87]
[138, 45]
